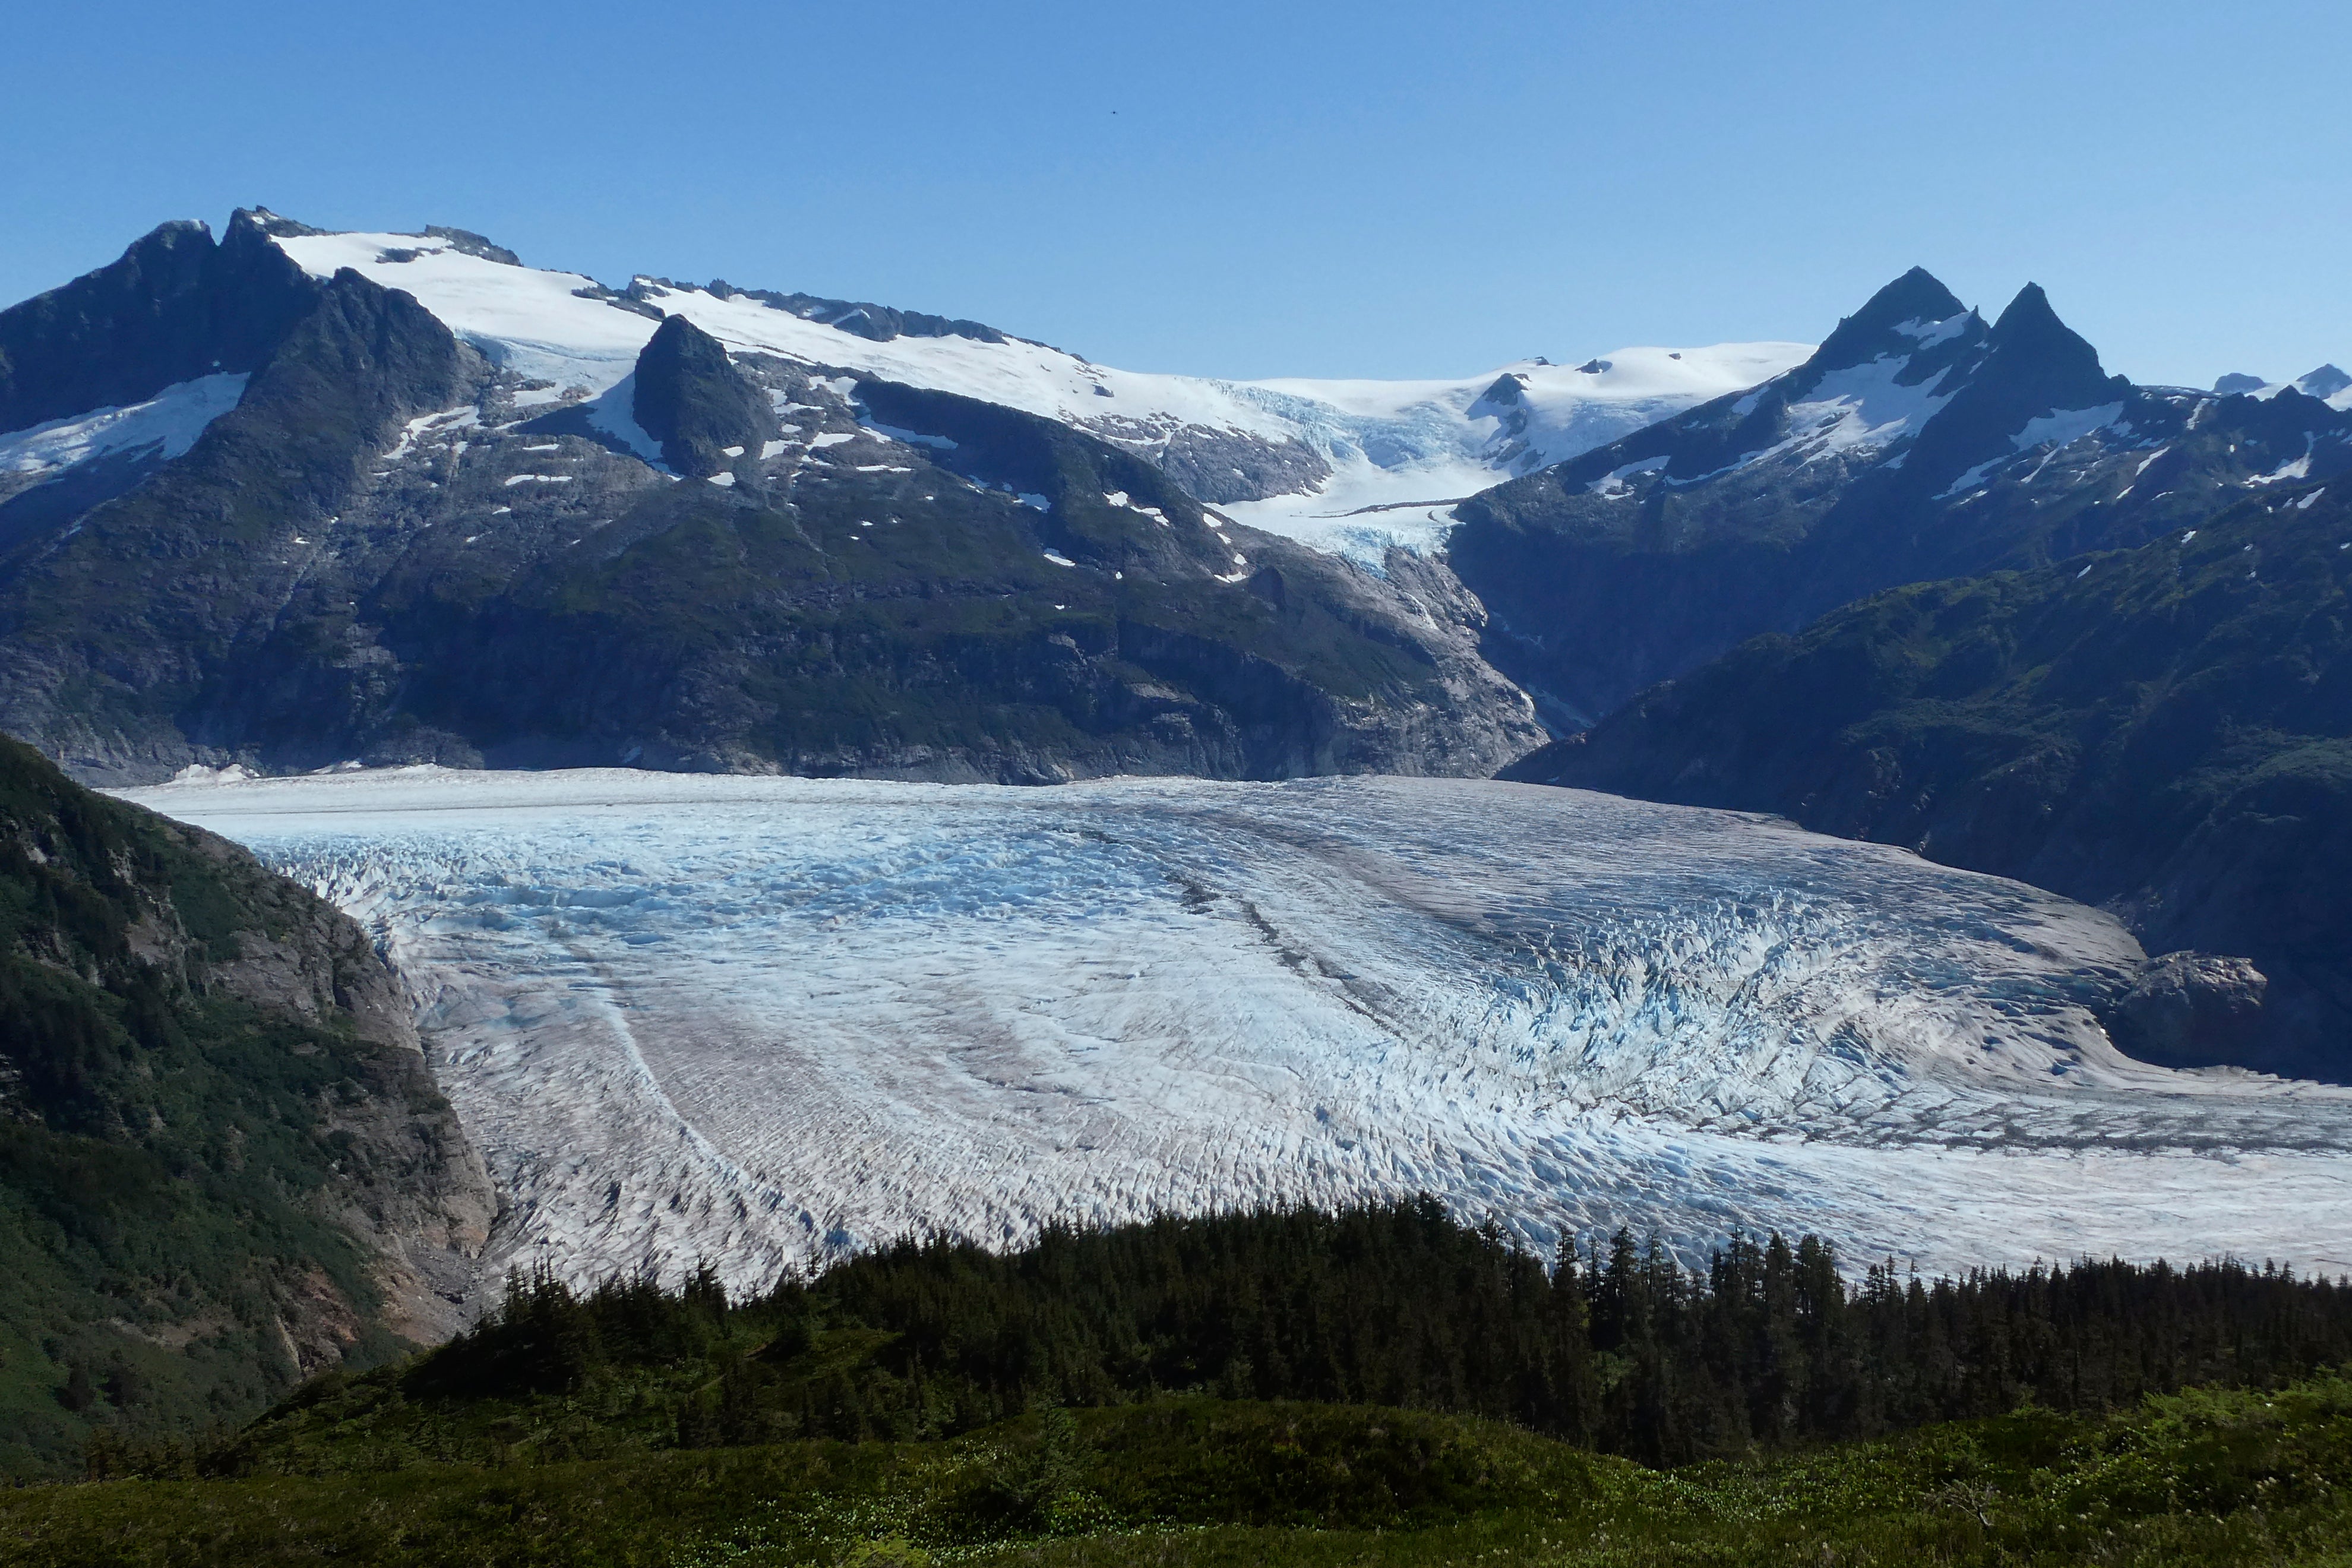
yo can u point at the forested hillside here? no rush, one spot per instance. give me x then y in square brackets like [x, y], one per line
[1617, 1346]
[222, 1165]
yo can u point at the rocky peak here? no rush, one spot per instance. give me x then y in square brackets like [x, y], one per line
[2029, 340]
[466, 242]
[172, 306]
[1915, 298]
[2324, 383]
[1508, 390]
[2034, 367]
[691, 399]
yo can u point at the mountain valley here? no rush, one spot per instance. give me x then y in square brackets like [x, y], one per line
[632, 701]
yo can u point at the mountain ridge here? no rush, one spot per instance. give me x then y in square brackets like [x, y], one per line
[224, 1164]
[398, 546]
[1905, 449]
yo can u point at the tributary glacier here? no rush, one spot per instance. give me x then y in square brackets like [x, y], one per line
[757, 1022]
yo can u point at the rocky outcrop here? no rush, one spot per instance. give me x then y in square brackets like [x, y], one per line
[175, 307]
[689, 397]
[2192, 1009]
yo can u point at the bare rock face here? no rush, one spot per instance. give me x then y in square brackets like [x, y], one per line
[2191, 1009]
[689, 399]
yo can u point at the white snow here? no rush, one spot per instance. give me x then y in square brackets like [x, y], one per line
[2289, 471]
[1861, 406]
[2062, 428]
[1612, 483]
[614, 412]
[758, 1021]
[2057, 431]
[170, 422]
[1387, 442]
[1927, 334]
[524, 319]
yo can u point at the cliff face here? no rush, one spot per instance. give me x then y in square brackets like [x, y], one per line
[223, 1162]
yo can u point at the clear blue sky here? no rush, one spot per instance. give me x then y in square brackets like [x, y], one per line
[1358, 189]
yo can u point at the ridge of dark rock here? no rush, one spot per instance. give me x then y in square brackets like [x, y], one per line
[1916, 296]
[689, 397]
[175, 306]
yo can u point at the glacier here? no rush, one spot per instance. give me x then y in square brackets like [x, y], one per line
[761, 1022]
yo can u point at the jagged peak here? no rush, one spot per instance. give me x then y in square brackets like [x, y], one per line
[173, 229]
[1919, 296]
[2029, 312]
[2029, 332]
[2323, 384]
[270, 224]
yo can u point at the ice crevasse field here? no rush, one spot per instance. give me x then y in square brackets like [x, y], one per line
[757, 1022]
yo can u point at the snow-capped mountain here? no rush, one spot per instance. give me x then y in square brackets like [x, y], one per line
[1336, 464]
[258, 507]
[1917, 442]
[2328, 384]
[757, 1022]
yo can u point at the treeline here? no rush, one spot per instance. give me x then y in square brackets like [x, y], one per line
[1615, 1345]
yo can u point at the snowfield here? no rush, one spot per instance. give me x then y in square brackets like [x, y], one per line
[760, 1021]
[1387, 444]
[169, 423]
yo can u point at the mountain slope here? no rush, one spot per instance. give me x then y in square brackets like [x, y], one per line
[395, 545]
[2167, 730]
[223, 1164]
[1333, 463]
[1917, 443]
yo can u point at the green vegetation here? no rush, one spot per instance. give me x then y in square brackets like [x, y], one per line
[2192, 1478]
[898, 619]
[1621, 1349]
[165, 1143]
[1289, 1387]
